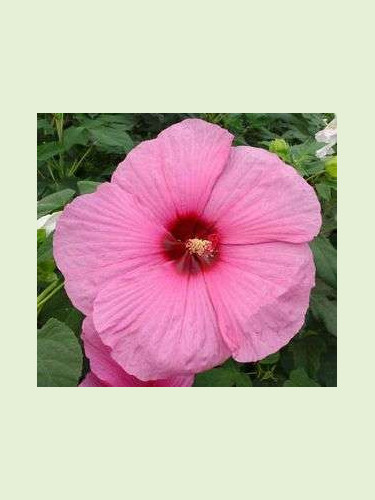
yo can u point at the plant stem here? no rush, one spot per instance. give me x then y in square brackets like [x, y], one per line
[59, 121]
[76, 165]
[47, 290]
[51, 172]
[44, 297]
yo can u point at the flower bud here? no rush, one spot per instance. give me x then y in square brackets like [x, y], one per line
[331, 166]
[280, 147]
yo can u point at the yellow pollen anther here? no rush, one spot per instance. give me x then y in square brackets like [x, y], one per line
[199, 247]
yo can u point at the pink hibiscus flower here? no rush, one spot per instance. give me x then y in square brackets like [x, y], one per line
[194, 252]
[105, 372]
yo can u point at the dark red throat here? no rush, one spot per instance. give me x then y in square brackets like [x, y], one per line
[183, 229]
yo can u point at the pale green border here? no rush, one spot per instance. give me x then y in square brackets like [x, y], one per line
[278, 443]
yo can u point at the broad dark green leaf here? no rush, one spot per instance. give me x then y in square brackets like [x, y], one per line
[48, 150]
[75, 135]
[86, 187]
[126, 120]
[45, 249]
[46, 273]
[308, 351]
[59, 355]
[112, 139]
[242, 380]
[328, 370]
[325, 256]
[299, 378]
[271, 359]
[60, 308]
[54, 201]
[218, 377]
[227, 375]
[325, 310]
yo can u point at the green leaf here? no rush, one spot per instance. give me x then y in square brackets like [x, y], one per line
[227, 375]
[242, 380]
[48, 150]
[41, 236]
[324, 310]
[45, 125]
[45, 251]
[112, 139]
[75, 135]
[325, 256]
[45, 263]
[54, 201]
[218, 377]
[46, 273]
[324, 191]
[272, 359]
[307, 352]
[299, 378]
[60, 307]
[42, 123]
[328, 370]
[86, 187]
[303, 156]
[59, 356]
[126, 120]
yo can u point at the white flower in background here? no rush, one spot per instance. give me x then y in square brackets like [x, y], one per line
[48, 222]
[329, 136]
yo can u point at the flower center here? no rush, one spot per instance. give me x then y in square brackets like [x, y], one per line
[199, 247]
[192, 242]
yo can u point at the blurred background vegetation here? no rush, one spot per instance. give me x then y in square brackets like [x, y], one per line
[77, 151]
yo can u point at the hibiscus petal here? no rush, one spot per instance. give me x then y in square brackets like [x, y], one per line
[258, 198]
[261, 294]
[102, 235]
[101, 363]
[276, 324]
[159, 323]
[174, 174]
[105, 369]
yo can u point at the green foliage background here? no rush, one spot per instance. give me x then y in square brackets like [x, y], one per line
[76, 152]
